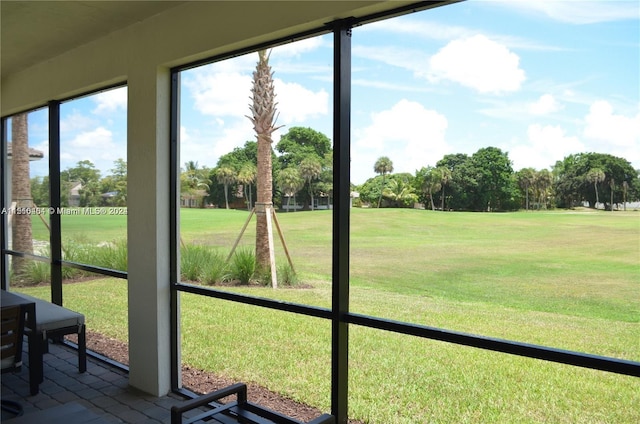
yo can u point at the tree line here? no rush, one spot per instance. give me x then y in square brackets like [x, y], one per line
[483, 181]
[93, 189]
[302, 171]
[486, 181]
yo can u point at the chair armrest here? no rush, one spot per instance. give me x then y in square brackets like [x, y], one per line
[239, 389]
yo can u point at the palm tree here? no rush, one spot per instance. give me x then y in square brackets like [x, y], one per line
[225, 176]
[246, 177]
[543, 181]
[625, 189]
[445, 177]
[290, 182]
[526, 178]
[612, 185]
[310, 169]
[432, 183]
[21, 191]
[383, 166]
[595, 176]
[263, 118]
[400, 192]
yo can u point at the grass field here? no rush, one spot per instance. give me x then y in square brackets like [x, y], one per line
[561, 279]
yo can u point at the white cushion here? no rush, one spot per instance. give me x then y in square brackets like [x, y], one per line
[50, 316]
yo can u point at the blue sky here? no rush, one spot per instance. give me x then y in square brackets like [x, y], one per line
[540, 80]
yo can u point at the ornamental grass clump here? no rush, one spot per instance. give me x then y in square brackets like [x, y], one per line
[216, 270]
[243, 265]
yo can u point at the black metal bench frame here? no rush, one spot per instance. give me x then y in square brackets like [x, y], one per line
[237, 411]
[56, 334]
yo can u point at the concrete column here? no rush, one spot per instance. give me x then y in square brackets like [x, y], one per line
[148, 229]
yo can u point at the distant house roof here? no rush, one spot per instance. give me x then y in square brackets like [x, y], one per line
[33, 153]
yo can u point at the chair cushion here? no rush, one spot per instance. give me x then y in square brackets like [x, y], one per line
[50, 316]
[9, 362]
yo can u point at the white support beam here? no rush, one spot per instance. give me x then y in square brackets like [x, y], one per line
[148, 230]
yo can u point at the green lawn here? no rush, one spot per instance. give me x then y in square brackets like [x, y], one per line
[562, 279]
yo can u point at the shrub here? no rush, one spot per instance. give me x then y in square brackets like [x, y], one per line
[38, 272]
[111, 255]
[193, 259]
[215, 270]
[287, 276]
[243, 265]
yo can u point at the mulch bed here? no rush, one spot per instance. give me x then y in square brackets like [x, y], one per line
[201, 382]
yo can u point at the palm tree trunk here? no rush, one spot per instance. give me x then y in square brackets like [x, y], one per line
[21, 192]
[226, 196]
[381, 190]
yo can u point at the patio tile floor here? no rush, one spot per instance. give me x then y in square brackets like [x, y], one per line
[104, 389]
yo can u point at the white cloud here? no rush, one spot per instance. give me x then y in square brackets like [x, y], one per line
[111, 100]
[221, 93]
[545, 145]
[297, 103]
[602, 124]
[421, 28]
[430, 30]
[545, 105]
[205, 144]
[97, 145]
[76, 121]
[412, 60]
[297, 48]
[479, 63]
[618, 135]
[227, 94]
[578, 12]
[410, 135]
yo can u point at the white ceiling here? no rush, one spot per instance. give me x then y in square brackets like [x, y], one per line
[34, 31]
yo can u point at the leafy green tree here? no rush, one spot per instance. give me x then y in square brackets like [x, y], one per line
[40, 191]
[299, 143]
[83, 172]
[461, 182]
[88, 176]
[290, 182]
[495, 188]
[310, 169]
[324, 185]
[302, 144]
[240, 156]
[571, 184]
[119, 175]
[383, 166]
[370, 190]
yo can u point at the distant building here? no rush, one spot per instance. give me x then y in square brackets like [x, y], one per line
[74, 194]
